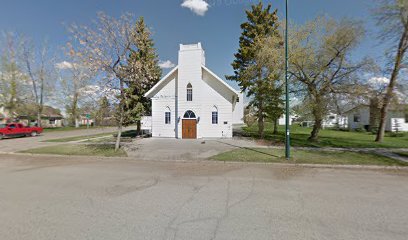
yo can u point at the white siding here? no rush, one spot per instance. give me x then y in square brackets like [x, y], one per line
[146, 123]
[397, 119]
[238, 114]
[165, 98]
[208, 92]
[363, 112]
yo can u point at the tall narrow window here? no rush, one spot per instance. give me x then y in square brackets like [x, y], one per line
[214, 115]
[189, 92]
[167, 116]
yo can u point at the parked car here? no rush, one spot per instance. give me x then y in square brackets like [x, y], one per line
[18, 130]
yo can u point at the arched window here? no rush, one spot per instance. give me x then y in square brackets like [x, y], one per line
[189, 92]
[167, 116]
[214, 115]
[189, 114]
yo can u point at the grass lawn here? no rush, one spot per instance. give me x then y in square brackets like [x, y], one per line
[62, 129]
[306, 157]
[328, 138]
[79, 138]
[106, 150]
[403, 154]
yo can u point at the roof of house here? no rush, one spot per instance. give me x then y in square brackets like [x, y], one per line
[159, 85]
[29, 110]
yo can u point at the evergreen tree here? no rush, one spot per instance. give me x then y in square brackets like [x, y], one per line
[142, 73]
[104, 112]
[248, 71]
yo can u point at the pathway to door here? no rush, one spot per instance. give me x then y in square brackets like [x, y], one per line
[182, 149]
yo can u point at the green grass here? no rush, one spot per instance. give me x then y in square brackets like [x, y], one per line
[403, 154]
[79, 138]
[106, 150]
[63, 129]
[306, 157]
[328, 138]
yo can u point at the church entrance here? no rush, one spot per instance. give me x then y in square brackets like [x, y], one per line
[189, 125]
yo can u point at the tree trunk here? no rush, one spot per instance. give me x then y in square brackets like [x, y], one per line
[317, 112]
[74, 111]
[38, 118]
[402, 47]
[121, 115]
[39, 113]
[314, 136]
[261, 125]
[275, 126]
[139, 127]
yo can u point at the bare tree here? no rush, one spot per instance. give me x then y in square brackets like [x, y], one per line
[39, 69]
[12, 80]
[74, 79]
[392, 15]
[104, 48]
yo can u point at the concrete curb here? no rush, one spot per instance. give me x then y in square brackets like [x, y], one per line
[206, 161]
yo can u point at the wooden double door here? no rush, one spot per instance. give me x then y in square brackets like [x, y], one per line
[189, 128]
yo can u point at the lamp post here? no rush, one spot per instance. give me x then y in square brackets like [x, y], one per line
[287, 130]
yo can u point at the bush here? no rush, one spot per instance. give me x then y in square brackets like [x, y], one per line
[360, 129]
[396, 134]
[374, 130]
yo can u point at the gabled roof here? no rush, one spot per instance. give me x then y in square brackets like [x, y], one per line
[220, 80]
[149, 94]
[160, 84]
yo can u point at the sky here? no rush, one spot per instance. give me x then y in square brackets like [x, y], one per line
[214, 23]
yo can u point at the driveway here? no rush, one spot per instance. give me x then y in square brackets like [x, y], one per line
[20, 144]
[182, 149]
[44, 197]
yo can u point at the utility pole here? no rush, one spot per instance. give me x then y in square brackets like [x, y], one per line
[287, 130]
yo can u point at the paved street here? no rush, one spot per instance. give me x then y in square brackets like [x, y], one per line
[94, 198]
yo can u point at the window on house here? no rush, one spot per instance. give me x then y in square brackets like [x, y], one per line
[214, 115]
[189, 114]
[167, 116]
[189, 92]
[356, 118]
[406, 118]
[237, 99]
[52, 121]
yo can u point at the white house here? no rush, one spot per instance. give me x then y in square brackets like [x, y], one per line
[192, 102]
[397, 118]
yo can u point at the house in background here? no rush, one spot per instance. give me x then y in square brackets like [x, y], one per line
[192, 102]
[86, 120]
[27, 115]
[364, 117]
[50, 117]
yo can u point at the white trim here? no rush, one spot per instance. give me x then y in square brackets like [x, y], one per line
[160, 82]
[220, 80]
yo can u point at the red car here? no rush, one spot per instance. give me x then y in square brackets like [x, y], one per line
[18, 130]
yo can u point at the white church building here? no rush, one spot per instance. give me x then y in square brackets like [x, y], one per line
[192, 102]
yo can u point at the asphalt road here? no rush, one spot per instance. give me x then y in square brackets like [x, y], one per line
[90, 198]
